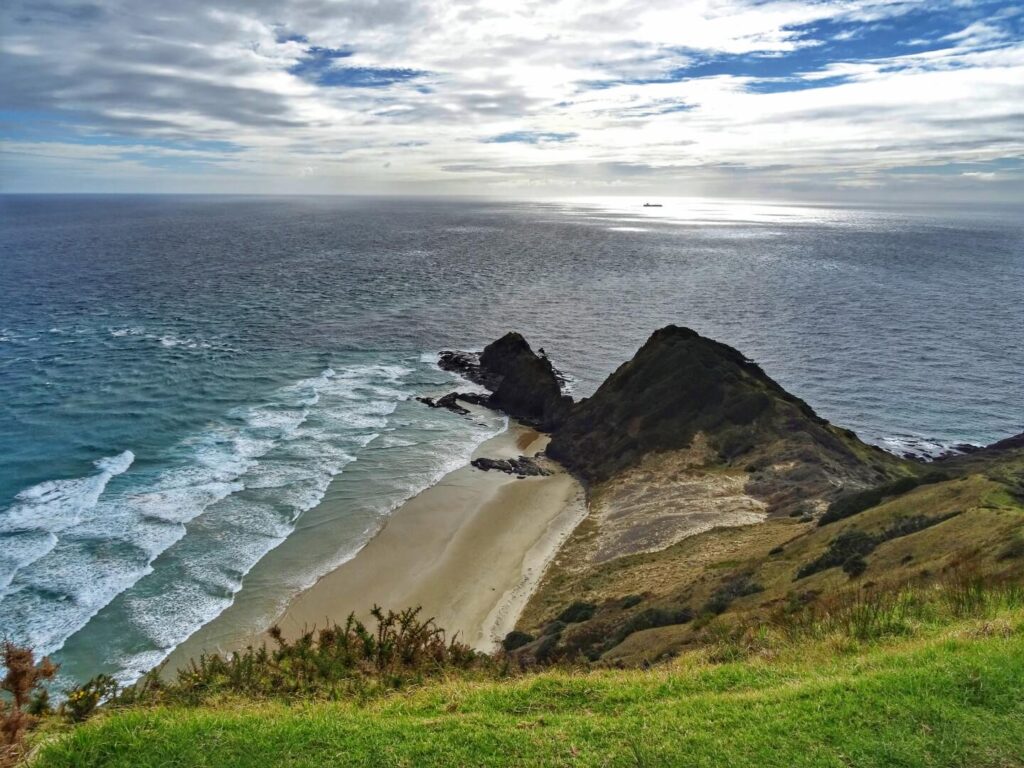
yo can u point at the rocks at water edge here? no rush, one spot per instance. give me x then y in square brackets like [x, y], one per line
[452, 399]
[523, 466]
[528, 387]
[524, 385]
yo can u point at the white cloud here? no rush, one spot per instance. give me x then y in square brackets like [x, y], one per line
[202, 75]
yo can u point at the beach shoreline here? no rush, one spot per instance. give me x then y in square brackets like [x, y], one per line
[469, 550]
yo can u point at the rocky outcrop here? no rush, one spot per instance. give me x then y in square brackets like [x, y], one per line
[523, 466]
[452, 399]
[1007, 444]
[466, 364]
[681, 385]
[449, 401]
[523, 384]
[528, 387]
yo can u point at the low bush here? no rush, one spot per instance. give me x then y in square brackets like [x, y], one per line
[737, 586]
[1013, 550]
[23, 684]
[516, 639]
[336, 662]
[651, 618]
[853, 543]
[855, 566]
[850, 504]
[849, 543]
[577, 612]
[83, 701]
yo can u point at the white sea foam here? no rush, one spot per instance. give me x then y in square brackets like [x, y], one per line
[227, 497]
[915, 445]
[170, 340]
[256, 529]
[54, 505]
[285, 450]
[20, 549]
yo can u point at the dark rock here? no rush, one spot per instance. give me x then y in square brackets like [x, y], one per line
[448, 401]
[475, 398]
[1010, 443]
[968, 448]
[522, 466]
[465, 364]
[526, 386]
[451, 401]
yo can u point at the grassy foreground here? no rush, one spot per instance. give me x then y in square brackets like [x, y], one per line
[952, 698]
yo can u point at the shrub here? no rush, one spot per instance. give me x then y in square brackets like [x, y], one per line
[516, 639]
[850, 504]
[1013, 550]
[577, 612]
[83, 701]
[546, 648]
[649, 618]
[850, 543]
[552, 628]
[854, 566]
[23, 682]
[631, 601]
[334, 662]
[853, 543]
[737, 586]
[908, 525]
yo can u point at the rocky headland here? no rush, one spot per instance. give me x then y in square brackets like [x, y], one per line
[710, 488]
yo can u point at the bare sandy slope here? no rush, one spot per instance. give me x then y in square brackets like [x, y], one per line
[470, 550]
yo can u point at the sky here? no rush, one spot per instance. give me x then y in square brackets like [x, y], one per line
[790, 99]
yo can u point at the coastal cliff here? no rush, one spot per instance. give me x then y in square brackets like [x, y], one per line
[681, 388]
[712, 491]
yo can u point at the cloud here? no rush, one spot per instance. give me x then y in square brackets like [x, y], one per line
[570, 94]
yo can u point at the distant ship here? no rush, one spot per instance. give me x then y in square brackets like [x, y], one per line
[652, 205]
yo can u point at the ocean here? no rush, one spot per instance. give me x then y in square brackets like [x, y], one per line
[185, 382]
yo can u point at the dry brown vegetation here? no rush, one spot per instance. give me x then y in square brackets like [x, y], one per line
[23, 684]
[912, 536]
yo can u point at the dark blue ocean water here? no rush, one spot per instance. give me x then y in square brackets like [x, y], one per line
[183, 379]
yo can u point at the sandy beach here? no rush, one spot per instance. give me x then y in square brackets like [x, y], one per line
[470, 550]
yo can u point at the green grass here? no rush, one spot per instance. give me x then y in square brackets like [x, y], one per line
[952, 698]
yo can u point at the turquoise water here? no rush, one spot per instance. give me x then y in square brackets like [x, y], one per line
[183, 380]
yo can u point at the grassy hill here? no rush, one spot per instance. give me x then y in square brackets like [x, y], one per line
[946, 694]
[943, 535]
